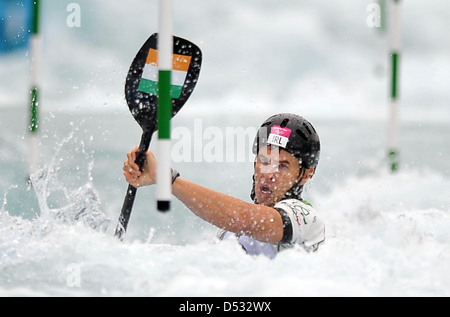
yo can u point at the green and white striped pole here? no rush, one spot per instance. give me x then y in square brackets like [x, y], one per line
[164, 110]
[394, 85]
[35, 45]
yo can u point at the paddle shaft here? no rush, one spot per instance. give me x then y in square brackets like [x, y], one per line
[131, 191]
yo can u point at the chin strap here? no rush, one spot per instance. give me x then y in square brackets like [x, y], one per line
[252, 193]
[297, 189]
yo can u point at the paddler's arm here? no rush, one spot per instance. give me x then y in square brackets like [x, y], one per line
[232, 214]
[226, 212]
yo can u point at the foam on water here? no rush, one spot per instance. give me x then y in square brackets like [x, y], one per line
[379, 243]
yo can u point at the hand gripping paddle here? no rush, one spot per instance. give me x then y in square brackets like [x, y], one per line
[142, 98]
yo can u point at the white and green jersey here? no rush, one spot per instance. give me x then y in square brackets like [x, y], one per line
[301, 224]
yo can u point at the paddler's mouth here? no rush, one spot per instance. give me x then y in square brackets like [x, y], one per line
[265, 190]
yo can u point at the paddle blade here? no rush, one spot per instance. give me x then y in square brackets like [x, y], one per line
[141, 94]
[141, 86]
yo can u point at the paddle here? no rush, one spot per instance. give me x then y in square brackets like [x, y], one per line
[142, 99]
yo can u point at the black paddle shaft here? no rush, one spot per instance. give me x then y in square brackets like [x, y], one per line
[143, 105]
[131, 191]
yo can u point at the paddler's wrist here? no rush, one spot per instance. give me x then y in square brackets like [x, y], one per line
[175, 174]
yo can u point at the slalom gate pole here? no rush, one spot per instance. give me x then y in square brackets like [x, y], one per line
[394, 85]
[383, 16]
[164, 110]
[35, 45]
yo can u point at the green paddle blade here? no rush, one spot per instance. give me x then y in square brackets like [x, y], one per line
[141, 87]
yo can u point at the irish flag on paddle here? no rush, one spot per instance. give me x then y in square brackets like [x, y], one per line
[149, 79]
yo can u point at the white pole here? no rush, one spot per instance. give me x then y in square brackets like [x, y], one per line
[35, 45]
[394, 85]
[165, 51]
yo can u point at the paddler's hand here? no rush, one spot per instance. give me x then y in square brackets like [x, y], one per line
[132, 173]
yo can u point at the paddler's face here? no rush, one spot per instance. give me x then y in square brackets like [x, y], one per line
[276, 171]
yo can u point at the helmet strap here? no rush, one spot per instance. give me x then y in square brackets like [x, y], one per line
[296, 190]
[252, 193]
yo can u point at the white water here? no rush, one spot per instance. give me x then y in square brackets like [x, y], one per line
[387, 234]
